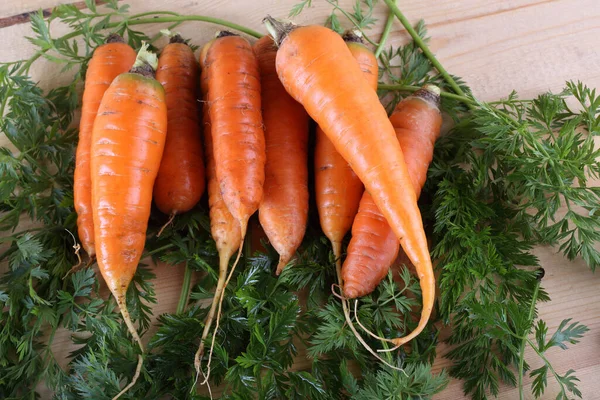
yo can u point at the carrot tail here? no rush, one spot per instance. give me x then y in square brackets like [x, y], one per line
[77, 248]
[223, 264]
[169, 222]
[283, 261]
[337, 252]
[127, 318]
[198, 359]
[425, 314]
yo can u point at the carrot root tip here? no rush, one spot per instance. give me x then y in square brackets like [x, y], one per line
[169, 222]
[138, 372]
[283, 262]
[350, 292]
[121, 303]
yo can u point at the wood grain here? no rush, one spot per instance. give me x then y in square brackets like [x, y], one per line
[496, 46]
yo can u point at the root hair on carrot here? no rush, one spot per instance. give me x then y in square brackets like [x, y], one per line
[200, 352]
[169, 222]
[345, 308]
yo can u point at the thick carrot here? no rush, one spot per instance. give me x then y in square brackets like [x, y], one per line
[236, 124]
[317, 69]
[180, 181]
[374, 247]
[337, 188]
[224, 228]
[108, 61]
[127, 146]
[284, 208]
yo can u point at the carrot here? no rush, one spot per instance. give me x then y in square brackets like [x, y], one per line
[108, 61]
[337, 188]
[180, 181]
[317, 69]
[236, 124]
[238, 142]
[343, 199]
[127, 145]
[373, 247]
[284, 208]
[224, 228]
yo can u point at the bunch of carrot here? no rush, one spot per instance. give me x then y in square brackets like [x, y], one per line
[140, 140]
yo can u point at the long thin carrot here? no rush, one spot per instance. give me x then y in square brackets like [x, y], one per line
[374, 247]
[225, 229]
[284, 209]
[337, 187]
[317, 69]
[108, 61]
[127, 146]
[180, 181]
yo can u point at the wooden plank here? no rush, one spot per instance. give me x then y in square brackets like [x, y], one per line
[528, 45]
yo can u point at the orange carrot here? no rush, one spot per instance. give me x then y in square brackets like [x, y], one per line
[374, 247]
[108, 61]
[236, 124]
[317, 69]
[180, 181]
[337, 188]
[127, 146]
[284, 209]
[238, 142]
[224, 228]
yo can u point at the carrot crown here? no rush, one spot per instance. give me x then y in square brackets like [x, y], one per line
[278, 29]
[174, 37]
[146, 62]
[221, 34]
[354, 36]
[114, 38]
[429, 93]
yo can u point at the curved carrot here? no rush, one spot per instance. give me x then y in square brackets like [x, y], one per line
[284, 209]
[180, 181]
[374, 247]
[127, 146]
[236, 124]
[317, 69]
[108, 61]
[224, 228]
[342, 188]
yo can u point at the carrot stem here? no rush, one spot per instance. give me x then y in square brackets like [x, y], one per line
[182, 18]
[536, 291]
[136, 20]
[185, 289]
[425, 49]
[411, 88]
[351, 19]
[385, 35]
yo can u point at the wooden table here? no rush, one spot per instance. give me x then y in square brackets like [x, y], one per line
[496, 46]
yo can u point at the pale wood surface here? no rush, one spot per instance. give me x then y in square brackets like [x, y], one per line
[496, 46]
